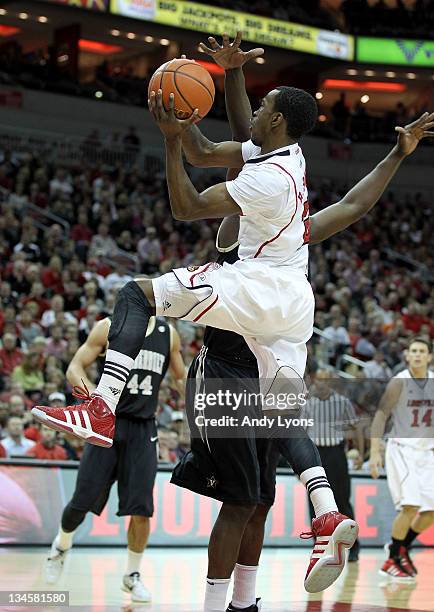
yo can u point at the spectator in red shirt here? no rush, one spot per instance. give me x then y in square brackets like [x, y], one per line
[37, 295]
[81, 232]
[47, 448]
[10, 355]
[52, 275]
[2, 452]
[32, 432]
[413, 317]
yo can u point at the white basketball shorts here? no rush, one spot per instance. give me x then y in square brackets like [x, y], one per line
[410, 475]
[271, 306]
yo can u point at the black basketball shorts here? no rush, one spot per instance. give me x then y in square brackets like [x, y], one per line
[239, 470]
[131, 461]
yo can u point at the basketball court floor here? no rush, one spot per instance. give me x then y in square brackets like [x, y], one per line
[176, 579]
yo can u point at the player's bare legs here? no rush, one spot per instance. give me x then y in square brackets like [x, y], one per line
[223, 551]
[407, 526]
[399, 564]
[423, 521]
[253, 538]
[138, 536]
[138, 533]
[246, 568]
[402, 522]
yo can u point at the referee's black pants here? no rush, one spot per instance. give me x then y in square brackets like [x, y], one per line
[334, 461]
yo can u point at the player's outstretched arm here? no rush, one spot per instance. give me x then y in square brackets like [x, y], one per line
[363, 196]
[186, 203]
[87, 354]
[231, 58]
[200, 151]
[387, 404]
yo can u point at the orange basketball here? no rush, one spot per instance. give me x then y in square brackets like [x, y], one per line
[191, 84]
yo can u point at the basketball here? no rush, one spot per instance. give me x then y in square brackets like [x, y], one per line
[191, 84]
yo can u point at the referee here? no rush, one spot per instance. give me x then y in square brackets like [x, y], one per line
[331, 414]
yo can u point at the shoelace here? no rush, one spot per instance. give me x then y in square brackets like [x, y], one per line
[81, 392]
[58, 555]
[135, 577]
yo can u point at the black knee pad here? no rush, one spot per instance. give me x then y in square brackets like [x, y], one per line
[131, 302]
[72, 518]
[299, 451]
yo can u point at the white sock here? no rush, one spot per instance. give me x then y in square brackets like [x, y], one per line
[117, 368]
[244, 594]
[319, 490]
[63, 540]
[134, 561]
[216, 593]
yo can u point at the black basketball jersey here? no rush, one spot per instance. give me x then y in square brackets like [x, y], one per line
[227, 345]
[139, 398]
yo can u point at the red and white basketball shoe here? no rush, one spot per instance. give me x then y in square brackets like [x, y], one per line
[404, 559]
[394, 568]
[93, 420]
[334, 534]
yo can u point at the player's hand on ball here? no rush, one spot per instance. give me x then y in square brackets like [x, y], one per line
[375, 464]
[169, 124]
[228, 55]
[410, 135]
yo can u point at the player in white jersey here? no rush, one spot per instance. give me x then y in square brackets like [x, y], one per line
[409, 402]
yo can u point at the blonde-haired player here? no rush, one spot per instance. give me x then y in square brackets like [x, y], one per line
[409, 402]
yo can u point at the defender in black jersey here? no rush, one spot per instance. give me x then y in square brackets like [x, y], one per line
[240, 472]
[132, 460]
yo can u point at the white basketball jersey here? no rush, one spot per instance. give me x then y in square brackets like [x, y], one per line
[413, 418]
[272, 193]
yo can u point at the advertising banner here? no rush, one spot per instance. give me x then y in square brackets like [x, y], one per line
[395, 51]
[257, 29]
[90, 5]
[32, 500]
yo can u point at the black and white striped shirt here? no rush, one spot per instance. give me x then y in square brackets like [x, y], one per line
[330, 417]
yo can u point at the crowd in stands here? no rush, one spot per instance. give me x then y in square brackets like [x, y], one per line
[55, 282]
[359, 124]
[380, 18]
[411, 20]
[55, 285]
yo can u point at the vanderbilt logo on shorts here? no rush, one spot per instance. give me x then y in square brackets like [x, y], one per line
[211, 482]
